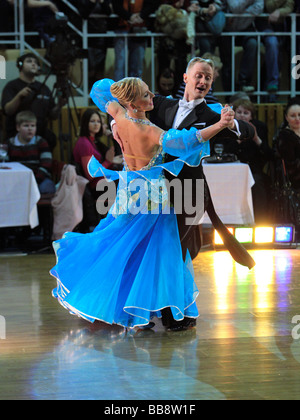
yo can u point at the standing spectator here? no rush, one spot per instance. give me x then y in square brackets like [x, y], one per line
[210, 18]
[133, 15]
[249, 43]
[278, 10]
[26, 93]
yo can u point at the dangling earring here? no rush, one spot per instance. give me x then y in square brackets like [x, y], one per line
[135, 110]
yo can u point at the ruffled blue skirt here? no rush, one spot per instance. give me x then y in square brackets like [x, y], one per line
[126, 271]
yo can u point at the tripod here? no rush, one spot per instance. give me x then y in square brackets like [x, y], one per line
[63, 91]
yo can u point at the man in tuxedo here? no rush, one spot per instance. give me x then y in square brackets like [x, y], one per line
[192, 111]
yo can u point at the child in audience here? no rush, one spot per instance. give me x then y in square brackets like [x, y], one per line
[32, 151]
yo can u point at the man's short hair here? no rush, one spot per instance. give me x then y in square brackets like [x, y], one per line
[20, 60]
[195, 60]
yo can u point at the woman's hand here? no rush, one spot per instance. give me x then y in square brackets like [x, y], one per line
[227, 117]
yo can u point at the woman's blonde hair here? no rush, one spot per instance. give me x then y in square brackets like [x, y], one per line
[127, 89]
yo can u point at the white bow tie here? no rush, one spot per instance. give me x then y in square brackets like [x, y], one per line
[184, 104]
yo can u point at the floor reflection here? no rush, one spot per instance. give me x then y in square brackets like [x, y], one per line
[116, 365]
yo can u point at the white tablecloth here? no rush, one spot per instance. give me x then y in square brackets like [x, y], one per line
[19, 195]
[230, 186]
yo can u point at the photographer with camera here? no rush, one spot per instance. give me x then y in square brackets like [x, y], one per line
[28, 94]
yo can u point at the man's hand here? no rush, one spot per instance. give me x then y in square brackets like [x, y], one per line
[24, 92]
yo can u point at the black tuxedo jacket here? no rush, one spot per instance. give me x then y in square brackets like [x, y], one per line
[200, 117]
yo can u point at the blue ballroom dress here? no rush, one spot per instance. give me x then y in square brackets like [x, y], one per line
[131, 267]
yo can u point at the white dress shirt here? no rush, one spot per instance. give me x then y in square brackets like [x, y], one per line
[186, 107]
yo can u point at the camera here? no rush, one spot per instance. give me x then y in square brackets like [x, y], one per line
[62, 51]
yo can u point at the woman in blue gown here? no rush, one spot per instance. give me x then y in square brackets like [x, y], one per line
[130, 267]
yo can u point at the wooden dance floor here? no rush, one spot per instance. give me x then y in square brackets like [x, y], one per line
[246, 344]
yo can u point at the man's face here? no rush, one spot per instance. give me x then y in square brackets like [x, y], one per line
[166, 85]
[30, 66]
[198, 81]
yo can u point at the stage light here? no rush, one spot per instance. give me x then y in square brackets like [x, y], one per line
[263, 235]
[260, 236]
[284, 234]
[244, 235]
[218, 239]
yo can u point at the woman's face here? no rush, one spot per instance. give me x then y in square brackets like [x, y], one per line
[94, 124]
[293, 117]
[144, 102]
[242, 113]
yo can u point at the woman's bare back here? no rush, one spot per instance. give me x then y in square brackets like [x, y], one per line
[139, 139]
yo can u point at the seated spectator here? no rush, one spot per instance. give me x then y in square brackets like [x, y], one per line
[32, 151]
[245, 110]
[211, 19]
[287, 170]
[133, 18]
[256, 153]
[6, 17]
[172, 50]
[42, 12]
[27, 93]
[97, 47]
[274, 23]
[249, 43]
[166, 83]
[88, 145]
[288, 142]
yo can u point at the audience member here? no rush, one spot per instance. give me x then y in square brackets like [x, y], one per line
[32, 151]
[97, 47]
[256, 153]
[26, 93]
[249, 43]
[274, 23]
[166, 83]
[288, 142]
[173, 49]
[210, 18]
[297, 10]
[89, 144]
[6, 16]
[42, 12]
[133, 17]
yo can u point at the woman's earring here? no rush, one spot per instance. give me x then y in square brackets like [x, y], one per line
[135, 110]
